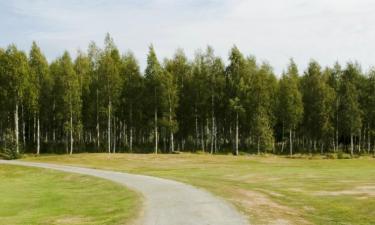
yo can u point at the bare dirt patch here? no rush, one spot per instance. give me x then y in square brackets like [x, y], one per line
[265, 210]
[359, 190]
[70, 220]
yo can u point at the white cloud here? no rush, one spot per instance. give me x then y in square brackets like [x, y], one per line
[273, 30]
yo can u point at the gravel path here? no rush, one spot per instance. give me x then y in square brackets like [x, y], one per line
[166, 202]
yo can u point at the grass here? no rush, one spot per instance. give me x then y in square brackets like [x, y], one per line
[269, 190]
[31, 196]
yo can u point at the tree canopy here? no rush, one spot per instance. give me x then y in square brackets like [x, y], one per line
[101, 101]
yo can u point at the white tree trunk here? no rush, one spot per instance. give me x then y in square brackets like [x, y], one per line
[213, 123]
[131, 129]
[171, 130]
[212, 134]
[16, 126]
[237, 134]
[172, 142]
[24, 133]
[38, 137]
[114, 135]
[202, 137]
[109, 127]
[207, 134]
[126, 133]
[368, 142]
[290, 142]
[71, 131]
[359, 141]
[215, 138]
[23, 129]
[54, 121]
[156, 130]
[34, 129]
[97, 119]
[351, 144]
[196, 130]
[131, 140]
[283, 139]
[98, 134]
[337, 125]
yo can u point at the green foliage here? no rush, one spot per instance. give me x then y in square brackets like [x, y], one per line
[8, 150]
[290, 98]
[154, 86]
[342, 155]
[350, 112]
[261, 101]
[40, 83]
[318, 101]
[171, 91]
[102, 98]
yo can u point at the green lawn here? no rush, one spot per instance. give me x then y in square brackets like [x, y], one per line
[38, 196]
[269, 190]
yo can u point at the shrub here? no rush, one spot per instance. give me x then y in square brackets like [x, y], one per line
[331, 156]
[9, 150]
[341, 155]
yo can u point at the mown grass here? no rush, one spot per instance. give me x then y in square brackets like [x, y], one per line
[269, 190]
[31, 196]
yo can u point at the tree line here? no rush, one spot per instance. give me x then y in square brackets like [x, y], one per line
[101, 102]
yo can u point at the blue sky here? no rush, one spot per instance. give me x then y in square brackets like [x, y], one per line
[272, 30]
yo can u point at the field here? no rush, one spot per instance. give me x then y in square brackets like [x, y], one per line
[269, 190]
[43, 197]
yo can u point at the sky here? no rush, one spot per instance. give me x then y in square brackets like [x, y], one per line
[272, 30]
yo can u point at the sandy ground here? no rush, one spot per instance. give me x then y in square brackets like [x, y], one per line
[165, 202]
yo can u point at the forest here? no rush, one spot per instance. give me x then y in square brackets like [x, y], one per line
[101, 101]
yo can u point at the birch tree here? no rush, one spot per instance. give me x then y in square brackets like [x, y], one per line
[110, 82]
[237, 78]
[370, 110]
[153, 75]
[71, 98]
[171, 94]
[351, 114]
[261, 101]
[290, 102]
[180, 68]
[82, 67]
[15, 72]
[40, 85]
[318, 101]
[132, 95]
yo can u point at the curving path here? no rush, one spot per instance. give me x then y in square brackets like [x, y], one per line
[166, 202]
